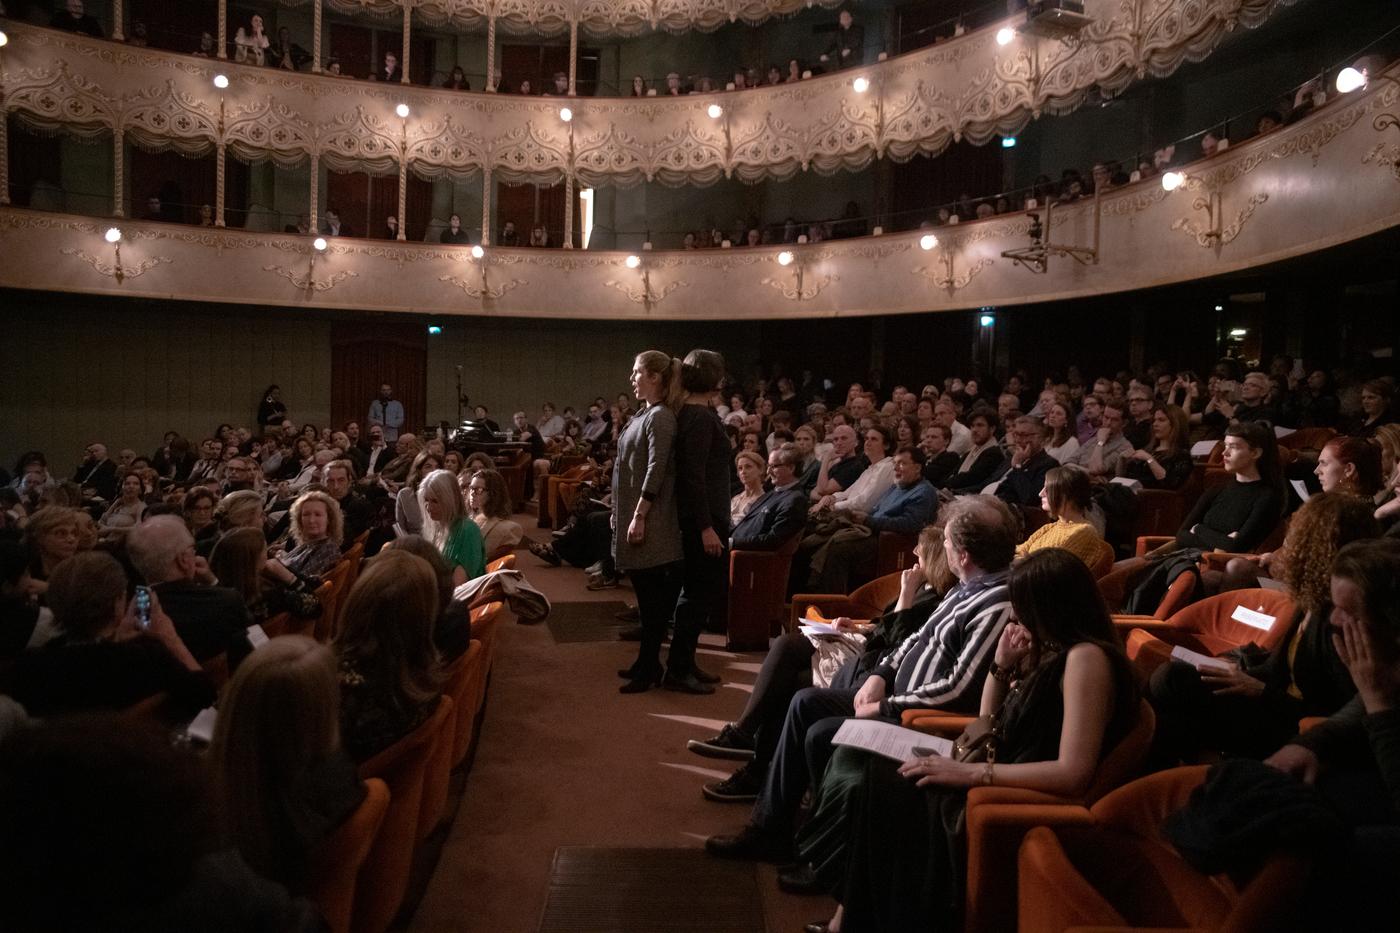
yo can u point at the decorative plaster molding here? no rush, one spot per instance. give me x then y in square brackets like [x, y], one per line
[966, 88]
[797, 291]
[117, 270]
[947, 279]
[1209, 236]
[308, 283]
[482, 292]
[644, 295]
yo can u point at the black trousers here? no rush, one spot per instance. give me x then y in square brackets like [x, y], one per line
[656, 589]
[786, 670]
[702, 580]
[1191, 716]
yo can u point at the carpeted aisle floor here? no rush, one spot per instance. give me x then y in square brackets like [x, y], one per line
[565, 760]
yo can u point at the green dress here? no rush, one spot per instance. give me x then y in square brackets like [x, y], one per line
[464, 548]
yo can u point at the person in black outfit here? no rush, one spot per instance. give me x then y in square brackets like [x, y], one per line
[1254, 708]
[941, 462]
[271, 411]
[1376, 397]
[848, 46]
[97, 474]
[211, 620]
[702, 501]
[1239, 515]
[355, 509]
[1165, 461]
[102, 658]
[1022, 475]
[72, 19]
[454, 233]
[979, 463]
[778, 514]
[1313, 404]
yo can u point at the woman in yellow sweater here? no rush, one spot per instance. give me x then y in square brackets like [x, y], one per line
[1065, 498]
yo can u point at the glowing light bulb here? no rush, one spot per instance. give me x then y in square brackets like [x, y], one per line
[634, 261]
[927, 242]
[1005, 34]
[785, 258]
[861, 85]
[1350, 79]
[319, 244]
[478, 252]
[113, 235]
[403, 111]
[1172, 180]
[566, 114]
[4, 39]
[715, 111]
[987, 320]
[221, 81]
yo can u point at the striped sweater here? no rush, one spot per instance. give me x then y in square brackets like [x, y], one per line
[943, 664]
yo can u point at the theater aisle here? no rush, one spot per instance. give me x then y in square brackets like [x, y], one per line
[565, 760]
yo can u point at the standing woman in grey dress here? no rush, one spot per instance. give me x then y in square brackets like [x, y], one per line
[646, 531]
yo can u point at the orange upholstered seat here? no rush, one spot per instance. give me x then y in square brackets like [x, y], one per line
[462, 682]
[336, 866]
[865, 602]
[758, 583]
[1207, 627]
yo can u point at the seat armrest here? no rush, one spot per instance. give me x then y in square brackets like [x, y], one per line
[1124, 624]
[1148, 543]
[994, 835]
[830, 605]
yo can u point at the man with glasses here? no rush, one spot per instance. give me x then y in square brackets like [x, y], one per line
[1021, 476]
[1138, 430]
[1100, 455]
[778, 514]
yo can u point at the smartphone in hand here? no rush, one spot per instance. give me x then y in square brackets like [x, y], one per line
[143, 607]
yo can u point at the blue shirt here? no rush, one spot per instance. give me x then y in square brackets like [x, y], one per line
[905, 509]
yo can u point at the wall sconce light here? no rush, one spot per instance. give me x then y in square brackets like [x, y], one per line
[1352, 79]
[319, 244]
[1005, 35]
[1173, 180]
[113, 235]
[785, 258]
[633, 261]
[566, 114]
[403, 111]
[4, 39]
[478, 252]
[715, 111]
[221, 82]
[927, 242]
[860, 85]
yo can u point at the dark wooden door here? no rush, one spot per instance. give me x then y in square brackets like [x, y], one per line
[353, 47]
[528, 205]
[176, 24]
[366, 354]
[365, 202]
[184, 185]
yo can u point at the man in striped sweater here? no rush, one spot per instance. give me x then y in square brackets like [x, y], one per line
[941, 666]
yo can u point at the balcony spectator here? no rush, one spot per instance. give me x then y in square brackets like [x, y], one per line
[739, 82]
[639, 87]
[774, 77]
[794, 71]
[525, 89]
[138, 35]
[331, 225]
[1210, 144]
[509, 236]
[72, 18]
[287, 54]
[539, 237]
[561, 85]
[391, 228]
[389, 71]
[206, 46]
[848, 46]
[673, 85]
[454, 232]
[457, 81]
[251, 43]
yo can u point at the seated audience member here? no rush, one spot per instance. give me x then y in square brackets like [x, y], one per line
[1350, 465]
[241, 509]
[210, 619]
[338, 477]
[407, 514]
[1351, 757]
[101, 656]
[1089, 419]
[1164, 462]
[1137, 427]
[1253, 404]
[97, 474]
[940, 463]
[72, 18]
[286, 54]
[251, 43]
[488, 502]
[108, 826]
[1066, 499]
[1100, 455]
[842, 466]
[453, 232]
[983, 455]
[1376, 397]
[239, 561]
[808, 437]
[887, 839]
[316, 532]
[395, 472]
[378, 455]
[456, 81]
[390, 674]
[452, 631]
[449, 528]
[1314, 403]
[283, 791]
[1240, 514]
[791, 662]
[941, 665]
[779, 514]
[1019, 478]
[871, 484]
[1059, 421]
[24, 624]
[1254, 708]
[750, 467]
[198, 511]
[125, 513]
[904, 509]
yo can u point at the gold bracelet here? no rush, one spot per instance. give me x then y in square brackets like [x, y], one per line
[987, 774]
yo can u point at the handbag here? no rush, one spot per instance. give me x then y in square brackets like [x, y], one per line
[978, 742]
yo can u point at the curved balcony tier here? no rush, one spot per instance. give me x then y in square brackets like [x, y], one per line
[1331, 177]
[967, 88]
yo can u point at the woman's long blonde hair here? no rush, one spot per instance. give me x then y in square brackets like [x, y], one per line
[335, 522]
[278, 720]
[669, 368]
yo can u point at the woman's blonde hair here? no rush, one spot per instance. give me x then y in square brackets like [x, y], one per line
[1388, 439]
[238, 559]
[752, 456]
[387, 629]
[278, 721]
[335, 522]
[234, 509]
[441, 485]
[46, 521]
[669, 369]
[937, 573]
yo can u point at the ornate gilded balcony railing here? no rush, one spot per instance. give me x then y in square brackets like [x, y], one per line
[967, 88]
[1331, 177]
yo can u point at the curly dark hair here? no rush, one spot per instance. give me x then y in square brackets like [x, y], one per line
[1317, 531]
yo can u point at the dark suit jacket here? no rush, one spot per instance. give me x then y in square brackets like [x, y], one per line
[940, 468]
[771, 521]
[1022, 486]
[977, 475]
[210, 620]
[103, 478]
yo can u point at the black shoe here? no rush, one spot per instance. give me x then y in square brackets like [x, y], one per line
[751, 844]
[740, 787]
[817, 926]
[705, 677]
[628, 615]
[799, 879]
[730, 743]
[686, 683]
[630, 634]
[545, 553]
[641, 683]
